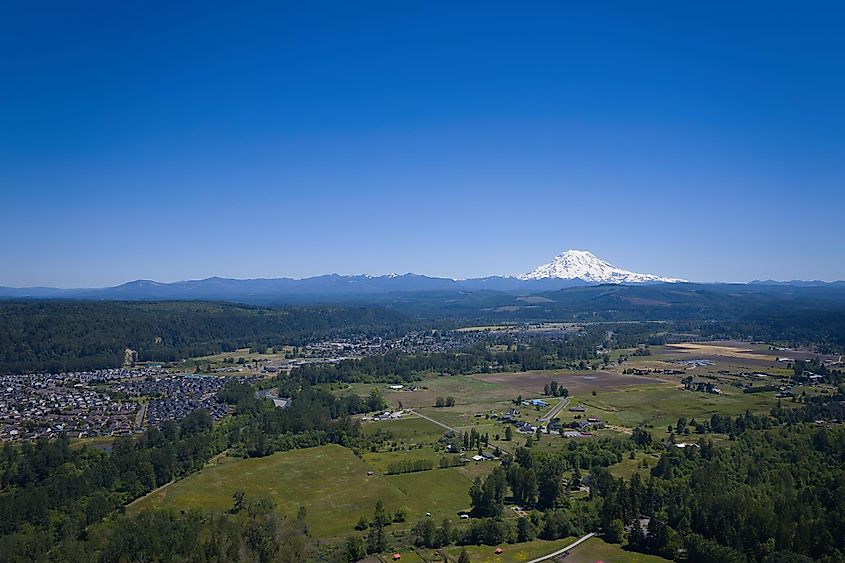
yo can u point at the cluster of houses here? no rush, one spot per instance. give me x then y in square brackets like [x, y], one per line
[701, 386]
[102, 402]
[177, 408]
[177, 396]
[576, 429]
[386, 415]
[42, 406]
[415, 342]
[175, 385]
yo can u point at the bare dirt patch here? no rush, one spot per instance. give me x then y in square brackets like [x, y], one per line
[724, 349]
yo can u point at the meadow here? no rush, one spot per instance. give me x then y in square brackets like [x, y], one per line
[511, 553]
[596, 549]
[330, 481]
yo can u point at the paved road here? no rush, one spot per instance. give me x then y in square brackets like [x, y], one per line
[576, 543]
[139, 418]
[553, 413]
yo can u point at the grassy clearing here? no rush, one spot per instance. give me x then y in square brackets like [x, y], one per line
[330, 481]
[465, 390]
[443, 492]
[627, 467]
[99, 442]
[661, 405]
[410, 429]
[512, 553]
[530, 384]
[382, 460]
[596, 549]
[217, 360]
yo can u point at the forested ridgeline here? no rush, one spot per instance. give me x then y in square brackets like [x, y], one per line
[58, 335]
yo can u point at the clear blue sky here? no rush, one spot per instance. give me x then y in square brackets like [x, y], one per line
[704, 140]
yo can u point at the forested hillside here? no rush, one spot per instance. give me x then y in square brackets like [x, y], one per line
[76, 335]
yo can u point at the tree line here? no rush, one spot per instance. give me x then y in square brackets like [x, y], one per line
[60, 335]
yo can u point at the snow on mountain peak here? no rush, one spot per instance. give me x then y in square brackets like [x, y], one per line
[585, 266]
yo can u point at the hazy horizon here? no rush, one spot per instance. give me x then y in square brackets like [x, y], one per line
[163, 142]
[200, 278]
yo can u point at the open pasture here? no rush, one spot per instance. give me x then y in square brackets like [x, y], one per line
[409, 429]
[381, 461]
[512, 553]
[443, 492]
[329, 481]
[733, 354]
[596, 549]
[725, 349]
[531, 383]
[723, 357]
[628, 467]
[662, 405]
[465, 390]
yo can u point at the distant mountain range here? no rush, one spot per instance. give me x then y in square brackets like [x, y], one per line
[573, 268]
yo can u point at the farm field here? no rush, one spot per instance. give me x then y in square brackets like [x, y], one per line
[731, 356]
[658, 404]
[465, 390]
[512, 553]
[329, 480]
[662, 405]
[380, 461]
[596, 549]
[743, 350]
[409, 429]
[443, 492]
[531, 383]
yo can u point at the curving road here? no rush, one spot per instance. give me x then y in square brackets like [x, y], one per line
[576, 543]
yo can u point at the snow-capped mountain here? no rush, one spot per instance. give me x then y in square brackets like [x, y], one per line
[585, 266]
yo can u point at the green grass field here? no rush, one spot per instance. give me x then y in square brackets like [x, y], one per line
[627, 467]
[330, 481]
[410, 429]
[443, 492]
[661, 405]
[381, 460]
[596, 549]
[512, 553]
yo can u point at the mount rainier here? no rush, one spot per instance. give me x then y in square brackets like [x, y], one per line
[585, 266]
